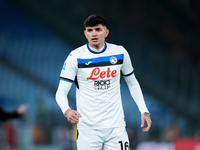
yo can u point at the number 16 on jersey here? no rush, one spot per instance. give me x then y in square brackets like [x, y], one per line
[124, 146]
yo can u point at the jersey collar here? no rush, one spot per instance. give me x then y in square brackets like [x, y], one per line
[105, 46]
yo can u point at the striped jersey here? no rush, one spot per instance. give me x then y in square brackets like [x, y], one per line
[97, 79]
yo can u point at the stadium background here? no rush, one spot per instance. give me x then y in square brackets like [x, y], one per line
[162, 38]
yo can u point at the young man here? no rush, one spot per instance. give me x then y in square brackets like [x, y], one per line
[96, 68]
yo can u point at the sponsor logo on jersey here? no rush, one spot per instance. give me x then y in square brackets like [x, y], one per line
[88, 63]
[98, 74]
[101, 84]
[113, 60]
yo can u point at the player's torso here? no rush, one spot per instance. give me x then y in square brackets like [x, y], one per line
[99, 73]
[98, 77]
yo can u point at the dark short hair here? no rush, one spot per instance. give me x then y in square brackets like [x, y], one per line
[94, 20]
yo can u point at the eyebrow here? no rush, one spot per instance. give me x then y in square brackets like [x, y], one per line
[94, 29]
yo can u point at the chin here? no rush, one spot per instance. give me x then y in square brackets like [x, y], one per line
[95, 45]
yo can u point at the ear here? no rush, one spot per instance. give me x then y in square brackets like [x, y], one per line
[85, 33]
[107, 32]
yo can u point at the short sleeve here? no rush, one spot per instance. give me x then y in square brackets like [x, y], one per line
[69, 69]
[127, 68]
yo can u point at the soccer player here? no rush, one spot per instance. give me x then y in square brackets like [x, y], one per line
[96, 68]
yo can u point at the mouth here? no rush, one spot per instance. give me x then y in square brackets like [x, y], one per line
[94, 39]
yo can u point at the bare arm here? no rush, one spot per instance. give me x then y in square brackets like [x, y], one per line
[14, 114]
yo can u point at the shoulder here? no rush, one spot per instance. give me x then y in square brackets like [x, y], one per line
[116, 48]
[76, 52]
[111, 45]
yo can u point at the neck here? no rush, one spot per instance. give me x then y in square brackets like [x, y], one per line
[97, 50]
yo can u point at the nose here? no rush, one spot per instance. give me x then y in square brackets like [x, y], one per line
[94, 33]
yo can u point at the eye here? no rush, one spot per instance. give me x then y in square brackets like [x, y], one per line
[89, 30]
[98, 29]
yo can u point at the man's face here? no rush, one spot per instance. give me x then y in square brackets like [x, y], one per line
[96, 35]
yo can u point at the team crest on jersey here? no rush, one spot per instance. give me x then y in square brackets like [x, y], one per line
[113, 60]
